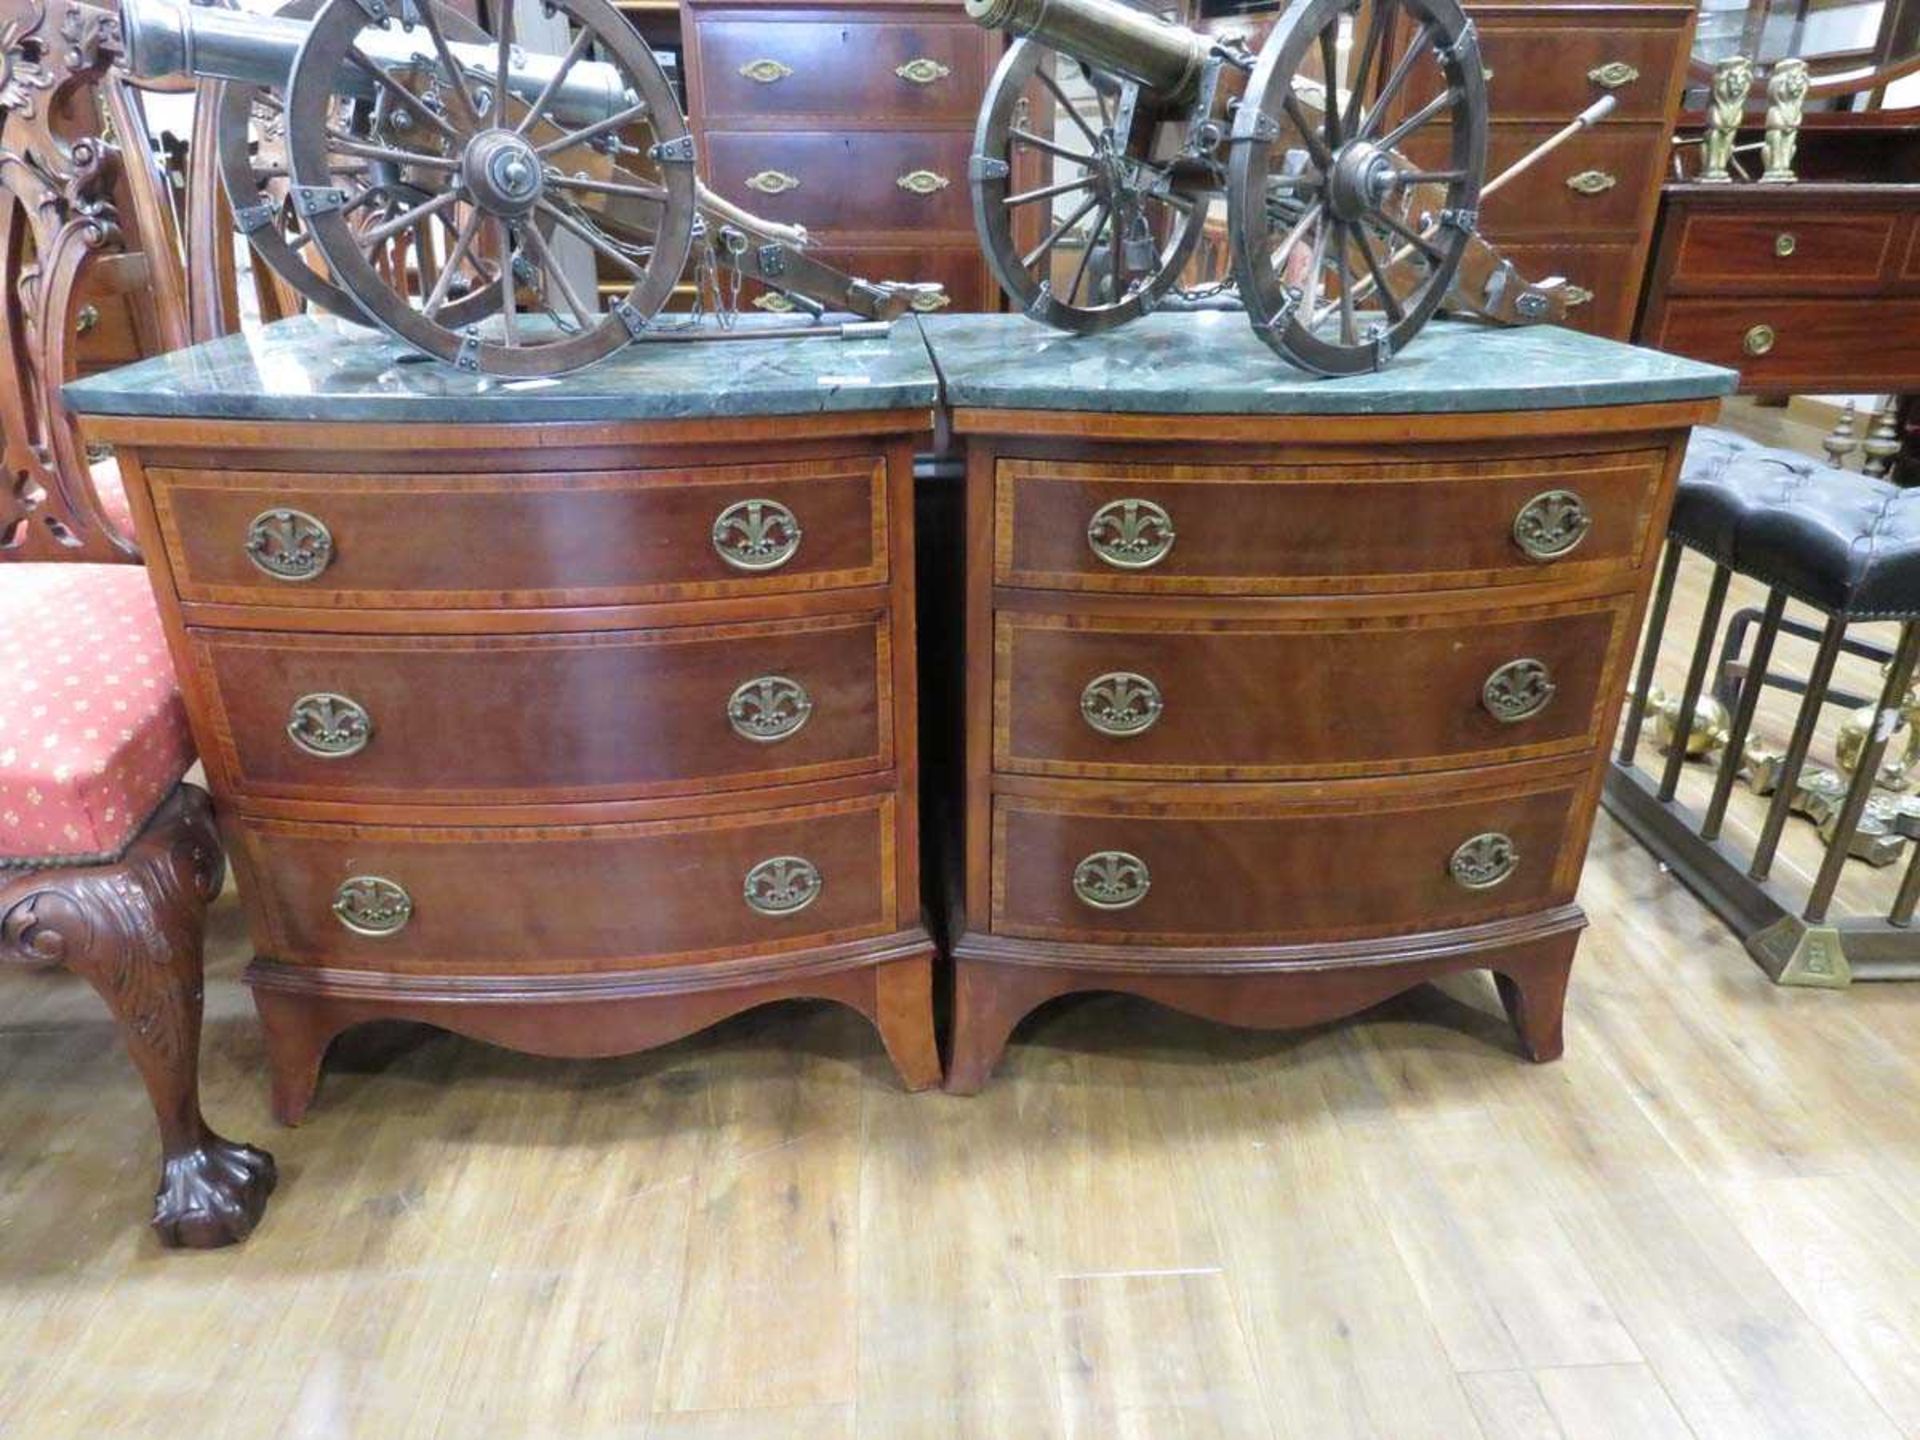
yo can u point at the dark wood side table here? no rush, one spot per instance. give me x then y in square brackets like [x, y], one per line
[571, 715]
[1284, 695]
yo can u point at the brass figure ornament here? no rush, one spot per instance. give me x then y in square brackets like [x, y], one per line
[1786, 102]
[1732, 79]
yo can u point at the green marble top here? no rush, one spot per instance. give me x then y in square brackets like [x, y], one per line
[1211, 363]
[320, 368]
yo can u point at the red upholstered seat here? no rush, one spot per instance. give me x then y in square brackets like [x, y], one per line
[112, 494]
[93, 734]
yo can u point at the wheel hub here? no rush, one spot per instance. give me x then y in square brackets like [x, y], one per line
[1362, 178]
[502, 172]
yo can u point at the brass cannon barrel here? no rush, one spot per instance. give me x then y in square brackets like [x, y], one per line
[1164, 57]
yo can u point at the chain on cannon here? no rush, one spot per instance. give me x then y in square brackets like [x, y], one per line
[1107, 136]
[391, 161]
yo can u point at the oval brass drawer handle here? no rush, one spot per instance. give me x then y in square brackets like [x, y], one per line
[756, 535]
[372, 905]
[769, 708]
[772, 182]
[923, 182]
[921, 71]
[1592, 182]
[86, 318]
[927, 301]
[1577, 295]
[773, 300]
[1112, 880]
[1551, 524]
[1518, 690]
[329, 726]
[783, 885]
[765, 71]
[1121, 702]
[1613, 74]
[1484, 861]
[1758, 340]
[289, 544]
[1131, 534]
[1784, 244]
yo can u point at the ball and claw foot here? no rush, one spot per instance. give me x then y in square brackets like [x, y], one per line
[212, 1195]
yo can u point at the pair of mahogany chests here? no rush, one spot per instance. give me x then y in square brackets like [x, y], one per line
[576, 714]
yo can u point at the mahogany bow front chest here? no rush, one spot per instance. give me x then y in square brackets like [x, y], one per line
[572, 715]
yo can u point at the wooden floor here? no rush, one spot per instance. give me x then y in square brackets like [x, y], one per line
[1705, 1221]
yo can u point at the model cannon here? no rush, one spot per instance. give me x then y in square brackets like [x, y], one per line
[1108, 135]
[390, 160]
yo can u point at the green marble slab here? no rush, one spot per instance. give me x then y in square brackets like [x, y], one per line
[1210, 363]
[320, 368]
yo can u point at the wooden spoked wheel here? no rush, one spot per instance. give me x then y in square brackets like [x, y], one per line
[493, 157]
[1075, 195]
[1342, 247]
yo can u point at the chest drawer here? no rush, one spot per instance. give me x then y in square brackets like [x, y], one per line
[543, 538]
[1775, 343]
[1294, 529]
[843, 181]
[1271, 699]
[1202, 870]
[503, 720]
[1604, 282]
[1598, 182]
[1784, 250]
[908, 72]
[573, 898]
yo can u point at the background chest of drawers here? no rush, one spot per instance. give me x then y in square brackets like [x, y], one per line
[1276, 711]
[855, 121]
[547, 715]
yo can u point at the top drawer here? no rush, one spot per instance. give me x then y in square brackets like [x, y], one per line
[1317, 529]
[491, 540]
[906, 71]
[1788, 249]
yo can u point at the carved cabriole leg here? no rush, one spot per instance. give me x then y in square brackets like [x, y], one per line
[134, 930]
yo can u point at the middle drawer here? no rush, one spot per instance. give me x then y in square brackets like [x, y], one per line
[511, 719]
[1173, 698]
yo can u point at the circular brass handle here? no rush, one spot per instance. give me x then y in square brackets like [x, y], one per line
[756, 535]
[329, 726]
[86, 318]
[1552, 524]
[1518, 690]
[783, 885]
[372, 905]
[1484, 861]
[769, 708]
[1784, 244]
[1120, 703]
[1112, 880]
[1131, 534]
[1758, 340]
[289, 545]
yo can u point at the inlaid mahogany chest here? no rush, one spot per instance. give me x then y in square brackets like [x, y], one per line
[1284, 695]
[572, 715]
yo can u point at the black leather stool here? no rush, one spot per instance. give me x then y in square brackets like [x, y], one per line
[1849, 546]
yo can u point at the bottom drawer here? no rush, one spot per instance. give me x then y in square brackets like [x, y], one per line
[1212, 869]
[564, 898]
[1832, 344]
[1604, 278]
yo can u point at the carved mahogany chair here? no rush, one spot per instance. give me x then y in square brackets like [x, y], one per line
[108, 860]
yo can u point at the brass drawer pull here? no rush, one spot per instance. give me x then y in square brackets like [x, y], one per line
[329, 726]
[86, 318]
[773, 182]
[773, 300]
[1484, 861]
[1758, 340]
[1577, 295]
[769, 708]
[756, 535]
[1112, 880]
[1551, 524]
[927, 301]
[289, 544]
[1592, 182]
[1784, 244]
[923, 182]
[921, 71]
[1121, 703]
[765, 72]
[1518, 690]
[1131, 534]
[372, 905]
[1613, 74]
[783, 885]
